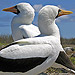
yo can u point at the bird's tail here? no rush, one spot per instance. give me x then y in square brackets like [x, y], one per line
[64, 60]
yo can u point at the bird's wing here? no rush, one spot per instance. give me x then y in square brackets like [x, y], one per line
[29, 31]
[32, 47]
[64, 60]
[20, 51]
[21, 58]
[26, 54]
[23, 31]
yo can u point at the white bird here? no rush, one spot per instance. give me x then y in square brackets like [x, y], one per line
[47, 26]
[21, 24]
[34, 55]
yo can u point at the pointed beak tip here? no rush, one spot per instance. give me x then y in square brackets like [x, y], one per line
[3, 10]
[71, 12]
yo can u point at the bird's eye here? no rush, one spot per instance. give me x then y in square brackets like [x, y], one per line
[16, 6]
[58, 13]
[17, 10]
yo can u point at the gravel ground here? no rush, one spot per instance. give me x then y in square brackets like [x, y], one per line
[7, 73]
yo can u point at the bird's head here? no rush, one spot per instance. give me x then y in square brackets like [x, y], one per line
[20, 8]
[53, 11]
[25, 13]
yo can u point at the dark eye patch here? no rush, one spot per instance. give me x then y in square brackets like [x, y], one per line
[16, 6]
[58, 13]
[17, 10]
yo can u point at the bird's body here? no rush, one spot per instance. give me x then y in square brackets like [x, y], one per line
[24, 31]
[47, 26]
[21, 24]
[34, 55]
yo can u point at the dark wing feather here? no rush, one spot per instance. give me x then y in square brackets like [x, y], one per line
[64, 60]
[20, 65]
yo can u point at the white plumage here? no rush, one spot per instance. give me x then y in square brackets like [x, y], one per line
[34, 55]
[40, 47]
[21, 24]
[46, 21]
[34, 47]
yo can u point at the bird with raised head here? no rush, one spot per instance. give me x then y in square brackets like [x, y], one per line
[21, 24]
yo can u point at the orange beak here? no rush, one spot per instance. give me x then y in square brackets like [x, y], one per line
[10, 9]
[64, 12]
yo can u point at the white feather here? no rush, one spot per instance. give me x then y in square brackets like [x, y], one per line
[21, 24]
[33, 47]
[45, 46]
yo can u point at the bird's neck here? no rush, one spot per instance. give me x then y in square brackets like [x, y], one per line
[22, 20]
[48, 27]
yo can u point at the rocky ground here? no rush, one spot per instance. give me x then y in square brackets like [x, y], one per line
[7, 73]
